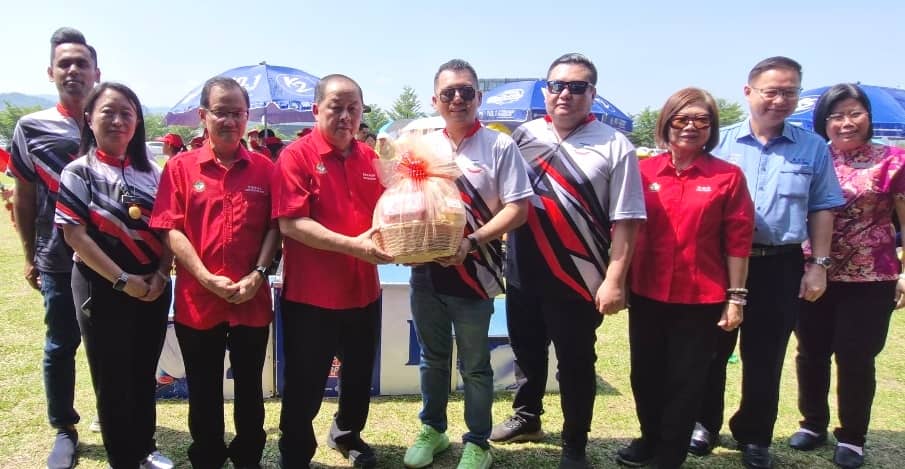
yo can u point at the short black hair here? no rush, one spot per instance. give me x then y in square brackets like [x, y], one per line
[264, 133]
[773, 63]
[67, 35]
[137, 151]
[455, 65]
[576, 59]
[225, 83]
[363, 126]
[321, 87]
[831, 97]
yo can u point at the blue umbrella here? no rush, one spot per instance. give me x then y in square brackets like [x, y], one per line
[278, 95]
[521, 101]
[887, 109]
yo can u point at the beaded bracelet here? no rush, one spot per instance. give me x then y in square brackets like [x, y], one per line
[738, 301]
[742, 291]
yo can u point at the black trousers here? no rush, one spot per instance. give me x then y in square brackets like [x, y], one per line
[850, 321]
[668, 344]
[534, 321]
[770, 316]
[313, 336]
[202, 352]
[123, 337]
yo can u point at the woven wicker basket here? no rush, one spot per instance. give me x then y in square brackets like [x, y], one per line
[416, 241]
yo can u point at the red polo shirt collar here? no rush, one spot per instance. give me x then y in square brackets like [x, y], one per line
[208, 156]
[701, 164]
[473, 130]
[106, 158]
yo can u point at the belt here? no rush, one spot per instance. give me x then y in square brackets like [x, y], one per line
[762, 250]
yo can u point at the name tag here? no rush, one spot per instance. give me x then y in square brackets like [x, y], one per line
[703, 189]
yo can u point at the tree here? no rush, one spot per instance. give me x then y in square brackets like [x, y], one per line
[730, 113]
[644, 127]
[375, 119]
[154, 126]
[11, 115]
[406, 106]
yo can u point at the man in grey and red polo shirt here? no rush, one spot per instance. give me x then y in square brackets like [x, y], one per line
[324, 193]
[214, 204]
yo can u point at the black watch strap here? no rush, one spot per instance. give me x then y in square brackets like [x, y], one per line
[262, 270]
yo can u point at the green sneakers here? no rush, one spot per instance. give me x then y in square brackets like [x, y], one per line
[475, 457]
[428, 443]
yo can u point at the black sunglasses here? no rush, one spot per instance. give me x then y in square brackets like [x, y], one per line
[679, 122]
[575, 87]
[467, 93]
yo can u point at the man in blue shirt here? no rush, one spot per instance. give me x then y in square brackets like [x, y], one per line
[793, 184]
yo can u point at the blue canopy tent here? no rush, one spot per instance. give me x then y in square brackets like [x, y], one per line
[887, 110]
[521, 101]
[278, 95]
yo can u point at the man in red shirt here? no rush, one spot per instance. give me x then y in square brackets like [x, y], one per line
[214, 204]
[324, 193]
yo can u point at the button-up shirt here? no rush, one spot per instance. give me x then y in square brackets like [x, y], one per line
[224, 213]
[788, 177]
[694, 220]
[314, 180]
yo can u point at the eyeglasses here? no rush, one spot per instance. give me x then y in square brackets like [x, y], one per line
[467, 93]
[223, 115]
[773, 93]
[701, 122]
[575, 87]
[839, 117]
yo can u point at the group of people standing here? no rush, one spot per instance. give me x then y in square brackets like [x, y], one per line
[699, 242]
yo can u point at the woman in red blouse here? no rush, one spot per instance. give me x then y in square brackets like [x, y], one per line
[687, 277]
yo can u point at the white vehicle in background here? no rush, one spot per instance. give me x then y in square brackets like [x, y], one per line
[155, 149]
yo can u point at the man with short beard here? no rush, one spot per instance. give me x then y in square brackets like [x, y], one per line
[42, 144]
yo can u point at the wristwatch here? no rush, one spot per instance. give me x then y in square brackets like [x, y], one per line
[472, 242]
[262, 270]
[823, 261]
[120, 283]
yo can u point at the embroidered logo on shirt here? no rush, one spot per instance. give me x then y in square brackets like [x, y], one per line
[369, 176]
[655, 187]
[258, 189]
[198, 186]
[320, 168]
[703, 189]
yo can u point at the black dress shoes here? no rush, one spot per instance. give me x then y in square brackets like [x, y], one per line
[702, 441]
[638, 453]
[756, 456]
[847, 458]
[804, 441]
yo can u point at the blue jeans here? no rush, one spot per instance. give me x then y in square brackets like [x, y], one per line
[60, 343]
[434, 316]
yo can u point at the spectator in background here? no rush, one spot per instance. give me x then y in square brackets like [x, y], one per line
[42, 144]
[172, 145]
[371, 140]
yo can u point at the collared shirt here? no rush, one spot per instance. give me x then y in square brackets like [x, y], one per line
[314, 180]
[583, 183]
[224, 213]
[694, 220]
[788, 178]
[864, 241]
[43, 143]
[90, 194]
[493, 175]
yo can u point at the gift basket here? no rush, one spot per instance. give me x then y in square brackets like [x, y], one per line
[420, 215]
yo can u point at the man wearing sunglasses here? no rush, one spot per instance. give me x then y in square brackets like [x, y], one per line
[457, 292]
[794, 186]
[565, 270]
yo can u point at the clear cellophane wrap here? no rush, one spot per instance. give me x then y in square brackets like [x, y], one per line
[420, 215]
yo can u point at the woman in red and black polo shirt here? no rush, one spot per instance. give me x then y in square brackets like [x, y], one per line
[120, 280]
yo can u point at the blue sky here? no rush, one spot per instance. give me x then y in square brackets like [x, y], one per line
[644, 50]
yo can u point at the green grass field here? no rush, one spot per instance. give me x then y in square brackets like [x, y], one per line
[25, 436]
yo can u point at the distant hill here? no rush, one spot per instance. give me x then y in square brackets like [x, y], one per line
[46, 100]
[26, 100]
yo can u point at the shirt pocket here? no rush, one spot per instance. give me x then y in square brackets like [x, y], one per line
[794, 180]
